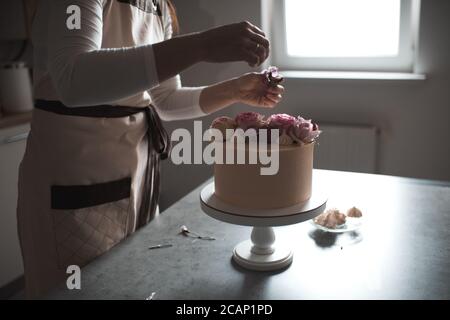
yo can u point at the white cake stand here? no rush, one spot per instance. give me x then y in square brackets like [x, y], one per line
[262, 253]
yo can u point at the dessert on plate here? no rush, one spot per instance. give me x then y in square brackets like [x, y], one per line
[354, 213]
[331, 219]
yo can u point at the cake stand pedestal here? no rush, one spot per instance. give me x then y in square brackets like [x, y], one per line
[262, 252]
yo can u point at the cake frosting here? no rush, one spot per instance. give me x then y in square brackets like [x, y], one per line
[243, 185]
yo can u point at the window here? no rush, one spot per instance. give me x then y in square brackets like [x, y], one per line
[344, 35]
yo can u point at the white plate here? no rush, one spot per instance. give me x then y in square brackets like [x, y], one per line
[351, 224]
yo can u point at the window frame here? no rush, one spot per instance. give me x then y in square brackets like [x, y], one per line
[404, 62]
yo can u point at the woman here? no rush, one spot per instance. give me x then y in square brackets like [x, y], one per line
[90, 174]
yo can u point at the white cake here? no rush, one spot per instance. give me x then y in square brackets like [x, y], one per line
[244, 185]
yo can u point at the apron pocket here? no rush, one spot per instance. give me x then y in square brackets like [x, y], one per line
[77, 197]
[89, 219]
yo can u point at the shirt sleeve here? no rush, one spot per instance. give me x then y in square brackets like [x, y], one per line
[85, 74]
[171, 99]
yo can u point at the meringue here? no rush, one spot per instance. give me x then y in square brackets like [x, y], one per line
[354, 213]
[331, 219]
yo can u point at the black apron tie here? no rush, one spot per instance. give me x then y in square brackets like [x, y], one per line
[159, 145]
[160, 137]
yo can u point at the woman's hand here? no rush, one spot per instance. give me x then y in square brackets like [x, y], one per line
[252, 89]
[234, 42]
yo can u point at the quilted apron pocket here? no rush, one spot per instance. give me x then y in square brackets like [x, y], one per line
[89, 219]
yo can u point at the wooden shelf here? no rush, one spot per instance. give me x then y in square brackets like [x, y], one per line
[10, 120]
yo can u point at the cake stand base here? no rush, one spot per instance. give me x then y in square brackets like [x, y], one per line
[262, 252]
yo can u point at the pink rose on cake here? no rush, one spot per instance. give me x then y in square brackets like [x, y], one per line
[223, 123]
[285, 140]
[281, 121]
[291, 129]
[304, 131]
[250, 120]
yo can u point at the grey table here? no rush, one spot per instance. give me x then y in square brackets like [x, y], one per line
[401, 251]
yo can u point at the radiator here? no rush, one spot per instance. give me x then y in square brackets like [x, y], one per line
[347, 148]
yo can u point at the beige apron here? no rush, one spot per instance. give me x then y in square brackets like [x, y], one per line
[89, 178]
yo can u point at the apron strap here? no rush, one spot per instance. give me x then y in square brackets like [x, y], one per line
[160, 137]
[159, 146]
[100, 111]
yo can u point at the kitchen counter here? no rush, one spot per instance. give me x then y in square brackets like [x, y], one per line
[401, 251]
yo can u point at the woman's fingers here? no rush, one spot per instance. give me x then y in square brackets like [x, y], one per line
[257, 49]
[268, 103]
[263, 53]
[251, 58]
[254, 39]
[258, 39]
[251, 26]
[276, 90]
[231, 43]
[274, 97]
[254, 91]
[257, 30]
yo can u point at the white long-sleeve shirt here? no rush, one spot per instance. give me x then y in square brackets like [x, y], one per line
[110, 59]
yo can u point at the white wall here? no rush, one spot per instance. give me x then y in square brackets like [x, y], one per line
[413, 116]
